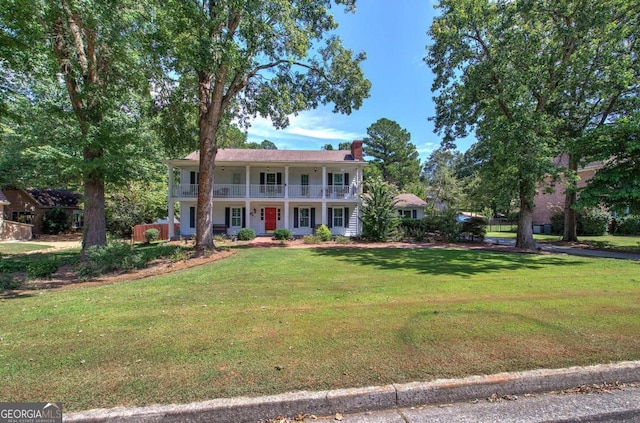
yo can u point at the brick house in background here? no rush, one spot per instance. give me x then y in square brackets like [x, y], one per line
[28, 206]
[549, 204]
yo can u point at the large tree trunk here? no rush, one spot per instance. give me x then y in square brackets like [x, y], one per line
[570, 220]
[94, 231]
[524, 236]
[208, 121]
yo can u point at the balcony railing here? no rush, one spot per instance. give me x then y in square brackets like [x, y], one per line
[270, 191]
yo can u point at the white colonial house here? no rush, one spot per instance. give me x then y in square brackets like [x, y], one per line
[269, 189]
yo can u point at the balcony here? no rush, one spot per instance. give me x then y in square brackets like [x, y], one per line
[270, 191]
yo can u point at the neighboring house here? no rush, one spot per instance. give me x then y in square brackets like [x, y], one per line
[270, 189]
[548, 203]
[28, 206]
[410, 206]
[10, 230]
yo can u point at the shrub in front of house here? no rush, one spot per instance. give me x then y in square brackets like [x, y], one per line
[115, 255]
[55, 221]
[628, 225]
[151, 235]
[282, 234]
[433, 226]
[324, 233]
[43, 268]
[474, 227]
[246, 234]
[589, 222]
[311, 239]
[343, 240]
[595, 221]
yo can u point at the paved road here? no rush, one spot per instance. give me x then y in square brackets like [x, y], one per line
[617, 405]
[585, 252]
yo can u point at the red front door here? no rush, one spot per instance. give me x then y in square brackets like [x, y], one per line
[270, 219]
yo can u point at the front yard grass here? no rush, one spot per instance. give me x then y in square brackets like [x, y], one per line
[21, 247]
[265, 321]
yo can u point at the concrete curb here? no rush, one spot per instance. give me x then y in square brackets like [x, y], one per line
[357, 400]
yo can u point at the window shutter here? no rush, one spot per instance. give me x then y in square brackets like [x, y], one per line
[330, 210]
[244, 217]
[279, 178]
[345, 218]
[295, 217]
[192, 178]
[261, 178]
[414, 214]
[346, 179]
[313, 218]
[227, 217]
[192, 217]
[329, 178]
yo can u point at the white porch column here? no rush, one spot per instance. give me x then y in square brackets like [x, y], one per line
[247, 183]
[247, 212]
[324, 183]
[324, 213]
[286, 182]
[170, 201]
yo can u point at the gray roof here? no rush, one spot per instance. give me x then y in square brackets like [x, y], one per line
[3, 199]
[409, 200]
[55, 197]
[292, 156]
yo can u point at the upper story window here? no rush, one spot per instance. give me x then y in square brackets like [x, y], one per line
[338, 179]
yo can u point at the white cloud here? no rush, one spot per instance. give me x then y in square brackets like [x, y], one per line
[307, 130]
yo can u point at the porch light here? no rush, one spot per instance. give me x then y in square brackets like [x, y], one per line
[315, 169]
[223, 168]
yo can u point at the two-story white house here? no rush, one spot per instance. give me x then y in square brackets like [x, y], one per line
[269, 189]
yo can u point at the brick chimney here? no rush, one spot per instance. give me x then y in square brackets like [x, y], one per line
[356, 150]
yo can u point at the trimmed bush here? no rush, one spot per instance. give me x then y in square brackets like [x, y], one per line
[627, 225]
[246, 234]
[151, 235]
[282, 234]
[324, 233]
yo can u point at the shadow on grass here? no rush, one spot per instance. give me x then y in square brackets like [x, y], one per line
[430, 261]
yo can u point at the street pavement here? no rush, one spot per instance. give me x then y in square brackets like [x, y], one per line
[618, 404]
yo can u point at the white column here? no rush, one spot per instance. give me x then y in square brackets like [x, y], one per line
[324, 182]
[286, 182]
[170, 201]
[247, 183]
[247, 212]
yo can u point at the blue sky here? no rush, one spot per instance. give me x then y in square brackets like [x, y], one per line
[394, 38]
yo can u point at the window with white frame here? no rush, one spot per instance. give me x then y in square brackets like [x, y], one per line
[236, 179]
[338, 179]
[304, 217]
[338, 218]
[236, 217]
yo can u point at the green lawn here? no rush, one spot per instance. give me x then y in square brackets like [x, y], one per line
[274, 320]
[21, 247]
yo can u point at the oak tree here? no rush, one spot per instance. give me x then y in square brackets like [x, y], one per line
[242, 59]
